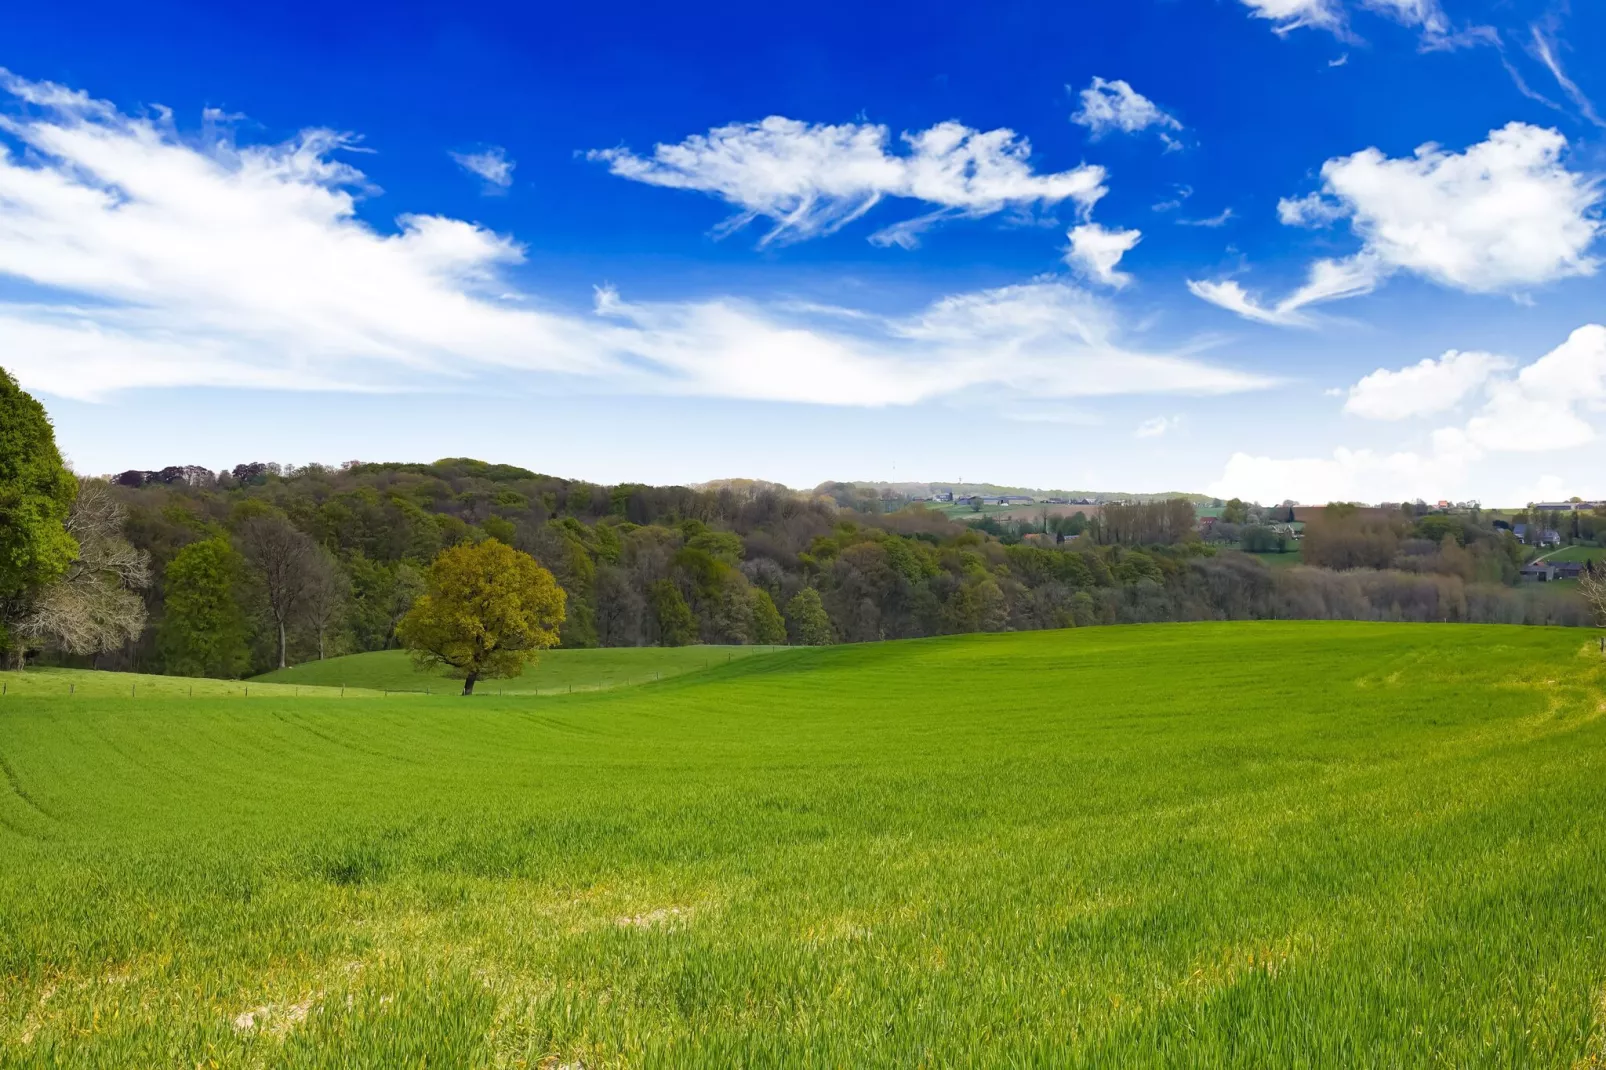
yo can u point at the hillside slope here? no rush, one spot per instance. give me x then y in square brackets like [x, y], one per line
[1280, 844]
[554, 670]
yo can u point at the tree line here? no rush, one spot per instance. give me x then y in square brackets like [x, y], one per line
[187, 571]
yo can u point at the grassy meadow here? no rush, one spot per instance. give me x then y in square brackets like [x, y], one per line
[1576, 553]
[1271, 844]
[555, 671]
[83, 683]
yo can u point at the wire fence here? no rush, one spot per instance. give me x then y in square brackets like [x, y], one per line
[46, 683]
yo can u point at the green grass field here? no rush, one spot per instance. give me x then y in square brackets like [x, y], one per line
[555, 671]
[1285, 559]
[1255, 845]
[1577, 553]
[85, 684]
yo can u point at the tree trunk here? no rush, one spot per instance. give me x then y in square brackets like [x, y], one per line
[468, 683]
[281, 645]
[320, 644]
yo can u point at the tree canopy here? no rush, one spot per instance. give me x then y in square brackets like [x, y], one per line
[36, 495]
[487, 609]
[203, 632]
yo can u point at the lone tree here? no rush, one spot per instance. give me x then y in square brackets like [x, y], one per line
[36, 493]
[486, 611]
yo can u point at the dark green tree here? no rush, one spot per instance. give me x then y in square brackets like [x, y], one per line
[36, 494]
[203, 630]
[676, 624]
[806, 619]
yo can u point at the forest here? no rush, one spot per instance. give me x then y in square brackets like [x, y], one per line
[244, 570]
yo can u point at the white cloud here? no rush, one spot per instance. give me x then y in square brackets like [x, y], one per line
[1423, 389]
[1347, 476]
[1156, 427]
[1109, 106]
[491, 164]
[151, 260]
[1293, 14]
[1502, 216]
[1096, 250]
[811, 179]
[1329, 280]
[1547, 406]
[1311, 210]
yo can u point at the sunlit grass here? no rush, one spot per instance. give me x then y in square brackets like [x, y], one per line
[1313, 844]
[554, 670]
[83, 683]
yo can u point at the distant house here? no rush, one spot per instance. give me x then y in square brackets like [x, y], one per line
[1539, 572]
[1546, 536]
[1569, 570]
[1037, 538]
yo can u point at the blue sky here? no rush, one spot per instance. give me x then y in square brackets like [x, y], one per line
[1303, 249]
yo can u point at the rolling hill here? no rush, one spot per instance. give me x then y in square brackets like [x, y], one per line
[1269, 844]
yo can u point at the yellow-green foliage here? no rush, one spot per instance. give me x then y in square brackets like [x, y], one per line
[1250, 845]
[487, 609]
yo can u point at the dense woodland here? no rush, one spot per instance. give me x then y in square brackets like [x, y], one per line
[249, 567]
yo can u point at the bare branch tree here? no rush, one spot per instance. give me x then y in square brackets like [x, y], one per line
[93, 608]
[1592, 585]
[281, 557]
[327, 593]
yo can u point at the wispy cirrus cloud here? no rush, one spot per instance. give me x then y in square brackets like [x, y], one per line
[1546, 49]
[812, 179]
[152, 259]
[1333, 16]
